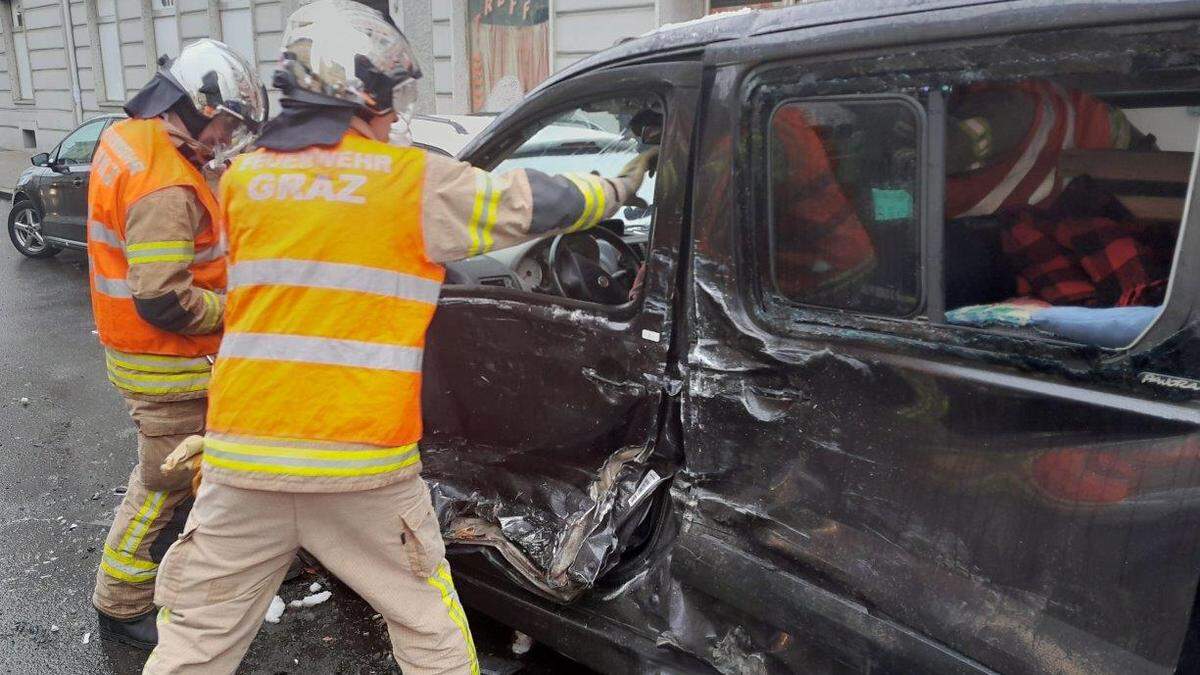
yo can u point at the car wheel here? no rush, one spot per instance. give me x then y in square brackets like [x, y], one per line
[25, 230]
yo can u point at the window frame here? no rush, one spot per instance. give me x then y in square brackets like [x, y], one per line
[168, 10]
[501, 146]
[101, 86]
[56, 154]
[765, 271]
[1180, 302]
[15, 77]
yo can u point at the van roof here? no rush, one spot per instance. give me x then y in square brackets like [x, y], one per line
[749, 22]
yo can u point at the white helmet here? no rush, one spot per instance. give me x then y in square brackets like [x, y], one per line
[217, 80]
[344, 52]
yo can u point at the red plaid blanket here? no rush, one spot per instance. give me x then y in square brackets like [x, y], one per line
[1091, 261]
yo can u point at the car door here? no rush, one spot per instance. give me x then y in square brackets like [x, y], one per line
[66, 187]
[541, 411]
[881, 488]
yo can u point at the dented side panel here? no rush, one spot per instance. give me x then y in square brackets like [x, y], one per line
[925, 497]
[837, 493]
[542, 413]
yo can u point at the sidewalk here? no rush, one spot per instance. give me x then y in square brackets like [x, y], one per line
[12, 163]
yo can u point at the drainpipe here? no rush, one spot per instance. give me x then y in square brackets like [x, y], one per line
[72, 65]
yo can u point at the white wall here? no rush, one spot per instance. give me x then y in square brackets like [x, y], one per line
[584, 27]
[578, 28]
[1175, 128]
[51, 115]
[253, 27]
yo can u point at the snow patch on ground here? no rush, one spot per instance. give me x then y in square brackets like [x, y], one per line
[312, 600]
[275, 610]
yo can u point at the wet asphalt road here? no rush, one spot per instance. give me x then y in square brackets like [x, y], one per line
[65, 444]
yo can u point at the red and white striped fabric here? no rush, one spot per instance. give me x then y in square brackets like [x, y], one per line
[1028, 175]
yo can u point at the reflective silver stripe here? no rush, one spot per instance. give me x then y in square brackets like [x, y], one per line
[210, 253]
[1045, 188]
[1065, 96]
[132, 162]
[99, 232]
[168, 384]
[114, 288]
[1020, 169]
[154, 363]
[288, 443]
[339, 276]
[306, 349]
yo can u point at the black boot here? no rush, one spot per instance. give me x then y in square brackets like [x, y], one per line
[140, 631]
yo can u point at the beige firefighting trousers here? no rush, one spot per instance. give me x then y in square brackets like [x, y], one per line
[154, 509]
[217, 581]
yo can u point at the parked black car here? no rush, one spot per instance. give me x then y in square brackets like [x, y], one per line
[49, 203]
[725, 474]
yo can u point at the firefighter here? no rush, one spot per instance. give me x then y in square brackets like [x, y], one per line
[1004, 141]
[336, 240]
[824, 253]
[157, 278]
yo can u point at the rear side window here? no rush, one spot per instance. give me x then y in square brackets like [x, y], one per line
[844, 204]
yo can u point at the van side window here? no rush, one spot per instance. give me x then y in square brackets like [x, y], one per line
[844, 204]
[1064, 197]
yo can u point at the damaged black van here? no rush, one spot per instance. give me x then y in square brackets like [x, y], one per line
[892, 366]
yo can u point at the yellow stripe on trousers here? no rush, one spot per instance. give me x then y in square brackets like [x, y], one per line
[140, 525]
[445, 584]
[127, 568]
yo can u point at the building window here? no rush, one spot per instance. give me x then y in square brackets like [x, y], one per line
[237, 28]
[111, 84]
[20, 45]
[845, 227]
[166, 28]
[508, 48]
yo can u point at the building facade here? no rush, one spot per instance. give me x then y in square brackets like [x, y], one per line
[66, 61]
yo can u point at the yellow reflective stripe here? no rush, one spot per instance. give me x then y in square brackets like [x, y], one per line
[445, 585]
[117, 368]
[173, 244]
[589, 201]
[154, 363]
[128, 561]
[155, 382]
[189, 387]
[174, 257]
[300, 461]
[176, 250]
[597, 185]
[140, 525]
[130, 577]
[212, 311]
[483, 195]
[492, 208]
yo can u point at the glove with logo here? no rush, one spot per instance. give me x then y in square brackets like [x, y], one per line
[186, 456]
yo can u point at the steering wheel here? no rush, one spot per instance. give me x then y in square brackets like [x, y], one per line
[582, 277]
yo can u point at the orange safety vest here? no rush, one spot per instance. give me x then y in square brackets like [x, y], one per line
[317, 387]
[134, 158]
[1029, 175]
